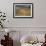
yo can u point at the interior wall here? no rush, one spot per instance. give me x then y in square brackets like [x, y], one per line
[39, 14]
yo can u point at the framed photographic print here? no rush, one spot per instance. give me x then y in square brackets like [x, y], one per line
[22, 10]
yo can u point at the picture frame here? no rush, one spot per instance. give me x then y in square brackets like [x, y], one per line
[22, 10]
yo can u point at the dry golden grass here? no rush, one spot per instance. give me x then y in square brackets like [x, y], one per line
[23, 12]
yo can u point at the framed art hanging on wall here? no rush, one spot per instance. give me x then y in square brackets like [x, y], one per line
[22, 10]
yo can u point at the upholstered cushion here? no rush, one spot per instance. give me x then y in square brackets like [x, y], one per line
[27, 38]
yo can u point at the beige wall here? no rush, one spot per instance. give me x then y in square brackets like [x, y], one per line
[39, 13]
